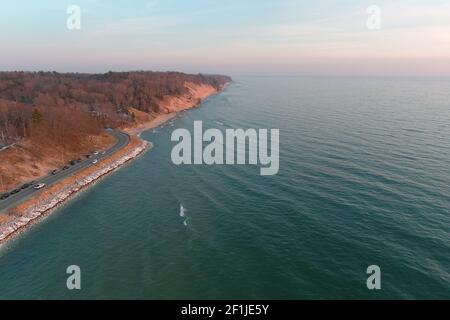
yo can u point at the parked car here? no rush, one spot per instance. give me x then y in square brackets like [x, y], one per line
[24, 186]
[39, 186]
[88, 156]
[95, 161]
[73, 162]
[79, 160]
[95, 153]
[4, 196]
[15, 191]
[54, 172]
[65, 167]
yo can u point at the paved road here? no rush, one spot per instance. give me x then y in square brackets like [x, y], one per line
[15, 199]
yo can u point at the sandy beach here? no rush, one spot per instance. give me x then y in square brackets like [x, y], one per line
[171, 106]
[156, 122]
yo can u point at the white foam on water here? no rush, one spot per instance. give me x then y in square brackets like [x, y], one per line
[182, 211]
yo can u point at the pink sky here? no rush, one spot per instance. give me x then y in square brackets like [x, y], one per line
[288, 37]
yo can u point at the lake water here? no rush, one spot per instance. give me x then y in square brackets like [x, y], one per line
[364, 180]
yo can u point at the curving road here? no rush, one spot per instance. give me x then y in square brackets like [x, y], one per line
[15, 199]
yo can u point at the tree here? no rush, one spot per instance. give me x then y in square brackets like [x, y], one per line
[37, 116]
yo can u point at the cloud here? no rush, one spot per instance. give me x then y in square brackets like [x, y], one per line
[134, 27]
[408, 31]
[152, 5]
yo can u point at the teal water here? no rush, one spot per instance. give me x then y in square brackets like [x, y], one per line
[364, 179]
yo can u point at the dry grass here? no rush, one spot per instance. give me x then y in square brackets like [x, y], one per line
[30, 160]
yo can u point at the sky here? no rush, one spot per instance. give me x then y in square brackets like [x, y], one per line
[235, 37]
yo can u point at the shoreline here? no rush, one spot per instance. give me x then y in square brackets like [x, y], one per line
[156, 122]
[33, 213]
[162, 118]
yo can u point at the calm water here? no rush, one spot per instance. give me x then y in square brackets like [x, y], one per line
[364, 179]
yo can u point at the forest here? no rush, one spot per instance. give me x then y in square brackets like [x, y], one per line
[55, 106]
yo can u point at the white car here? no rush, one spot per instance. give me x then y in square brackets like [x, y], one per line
[39, 186]
[95, 161]
[95, 152]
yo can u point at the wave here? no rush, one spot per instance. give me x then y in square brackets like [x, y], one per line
[182, 211]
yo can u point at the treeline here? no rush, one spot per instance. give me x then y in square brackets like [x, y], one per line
[51, 104]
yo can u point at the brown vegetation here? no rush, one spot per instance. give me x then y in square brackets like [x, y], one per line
[50, 118]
